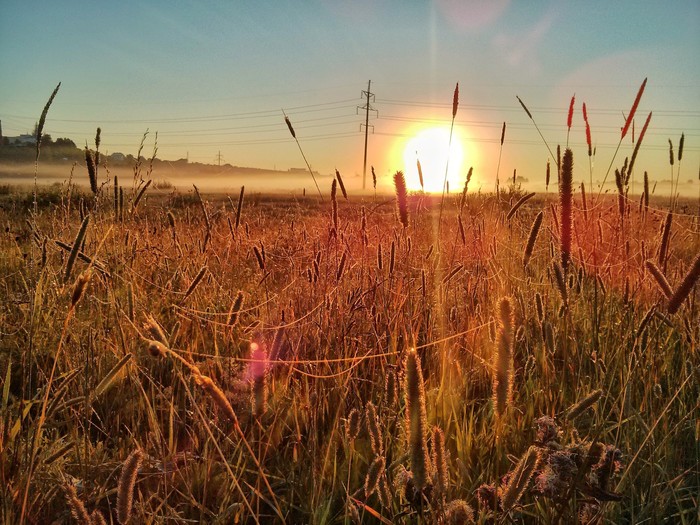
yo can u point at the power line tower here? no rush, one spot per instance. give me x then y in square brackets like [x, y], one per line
[218, 157]
[367, 107]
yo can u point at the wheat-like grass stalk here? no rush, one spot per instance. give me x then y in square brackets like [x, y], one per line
[518, 204]
[660, 278]
[391, 388]
[92, 173]
[503, 359]
[155, 330]
[565, 201]
[353, 424]
[579, 408]
[259, 383]
[520, 479]
[684, 289]
[195, 282]
[116, 198]
[590, 147]
[79, 287]
[539, 307]
[213, 390]
[560, 278]
[138, 198]
[416, 420]
[77, 507]
[401, 197]
[665, 236]
[374, 474]
[392, 257]
[294, 136]
[633, 110]
[77, 244]
[235, 309]
[534, 230]
[374, 429]
[440, 462]
[259, 258]
[127, 482]
[620, 184]
[334, 205]
[42, 120]
[527, 111]
[445, 182]
[341, 266]
[96, 518]
[624, 130]
[342, 186]
[638, 144]
[570, 118]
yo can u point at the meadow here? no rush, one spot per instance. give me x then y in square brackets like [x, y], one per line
[186, 357]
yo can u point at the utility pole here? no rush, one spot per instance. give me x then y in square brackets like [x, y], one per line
[367, 107]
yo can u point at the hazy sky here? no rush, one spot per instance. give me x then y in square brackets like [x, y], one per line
[214, 77]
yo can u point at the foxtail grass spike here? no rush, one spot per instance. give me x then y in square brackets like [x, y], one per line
[401, 197]
[42, 120]
[127, 482]
[526, 111]
[570, 116]
[565, 191]
[580, 407]
[638, 144]
[534, 230]
[77, 244]
[92, 174]
[520, 479]
[455, 101]
[503, 359]
[374, 429]
[588, 132]
[518, 204]
[76, 505]
[416, 421]
[633, 110]
[686, 286]
[342, 186]
[294, 136]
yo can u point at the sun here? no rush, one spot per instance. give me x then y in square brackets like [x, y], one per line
[430, 147]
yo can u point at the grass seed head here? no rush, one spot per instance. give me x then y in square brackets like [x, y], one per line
[127, 482]
[401, 197]
[416, 420]
[503, 365]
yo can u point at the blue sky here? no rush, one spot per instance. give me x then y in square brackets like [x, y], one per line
[214, 77]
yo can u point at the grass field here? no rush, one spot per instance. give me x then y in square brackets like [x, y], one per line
[258, 359]
[512, 357]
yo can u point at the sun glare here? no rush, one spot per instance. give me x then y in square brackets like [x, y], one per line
[430, 147]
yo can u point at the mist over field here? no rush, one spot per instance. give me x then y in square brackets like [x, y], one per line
[226, 179]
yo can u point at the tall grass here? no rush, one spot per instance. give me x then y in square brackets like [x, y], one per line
[257, 364]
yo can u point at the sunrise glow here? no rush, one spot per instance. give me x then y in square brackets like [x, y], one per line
[430, 146]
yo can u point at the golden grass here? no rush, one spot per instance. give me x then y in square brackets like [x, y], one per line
[344, 318]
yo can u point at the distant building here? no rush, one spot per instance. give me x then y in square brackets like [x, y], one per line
[301, 170]
[22, 140]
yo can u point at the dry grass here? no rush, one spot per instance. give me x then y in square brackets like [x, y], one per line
[240, 348]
